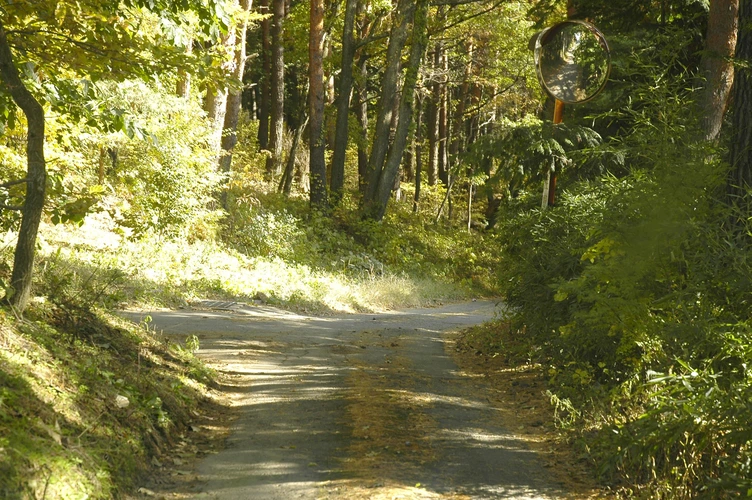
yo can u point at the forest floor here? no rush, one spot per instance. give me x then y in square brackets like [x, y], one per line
[377, 406]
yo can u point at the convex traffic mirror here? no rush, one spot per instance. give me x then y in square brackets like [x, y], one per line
[573, 61]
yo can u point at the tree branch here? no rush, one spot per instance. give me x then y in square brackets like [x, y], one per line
[11, 207]
[365, 41]
[490, 98]
[465, 19]
[453, 2]
[14, 183]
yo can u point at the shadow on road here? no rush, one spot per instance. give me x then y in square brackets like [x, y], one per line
[359, 406]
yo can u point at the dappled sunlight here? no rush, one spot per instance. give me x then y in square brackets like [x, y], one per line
[481, 437]
[429, 398]
[355, 407]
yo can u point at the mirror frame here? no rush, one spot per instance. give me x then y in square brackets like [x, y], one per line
[545, 35]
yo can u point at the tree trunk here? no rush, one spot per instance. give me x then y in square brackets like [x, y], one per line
[469, 206]
[215, 105]
[391, 168]
[740, 152]
[432, 120]
[316, 97]
[277, 101]
[397, 38]
[362, 116]
[408, 160]
[443, 162]
[36, 177]
[716, 65]
[458, 141]
[285, 184]
[234, 98]
[343, 103]
[418, 150]
[265, 90]
[183, 86]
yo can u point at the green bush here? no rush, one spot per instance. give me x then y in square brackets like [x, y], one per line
[165, 177]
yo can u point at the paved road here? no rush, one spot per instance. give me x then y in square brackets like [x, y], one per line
[356, 406]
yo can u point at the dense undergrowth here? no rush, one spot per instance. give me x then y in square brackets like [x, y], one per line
[632, 293]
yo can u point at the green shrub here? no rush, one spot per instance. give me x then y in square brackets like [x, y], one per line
[165, 177]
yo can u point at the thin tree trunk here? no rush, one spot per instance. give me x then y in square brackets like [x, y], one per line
[443, 162]
[362, 116]
[474, 123]
[265, 90]
[285, 184]
[343, 103]
[457, 144]
[316, 105]
[469, 206]
[740, 152]
[408, 160]
[432, 120]
[361, 110]
[100, 170]
[418, 151]
[447, 198]
[215, 105]
[391, 168]
[397, 38]
[36, 177]
[493, 202]
[234, 98]
[183, 86]
[716, 66]
[277, 125]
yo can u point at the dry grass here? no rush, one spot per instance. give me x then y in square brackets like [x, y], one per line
[156, 272]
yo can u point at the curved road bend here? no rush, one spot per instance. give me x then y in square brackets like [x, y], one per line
[354, 406]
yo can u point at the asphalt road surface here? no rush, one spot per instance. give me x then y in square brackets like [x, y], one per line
[354, 406]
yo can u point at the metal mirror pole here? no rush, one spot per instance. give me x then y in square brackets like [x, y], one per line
[549, 185]
[558, 118]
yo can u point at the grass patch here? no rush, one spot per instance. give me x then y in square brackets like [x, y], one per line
[94, 264]
[88, 401]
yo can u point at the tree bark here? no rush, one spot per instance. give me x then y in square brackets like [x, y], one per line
[277, 101]
[343, 103]
[265, 90]
[740, 152]
[234, 98]
[362, 116]
[183, 86]
[215, 102]
[443, 161]
[458, 141]
[361, 110]
[418, 150]
[432, 120]
[397, 38]
[317, 144]
[285, 184]
[215, 105]
[391, 168]
[23, 261]
[716, 66]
